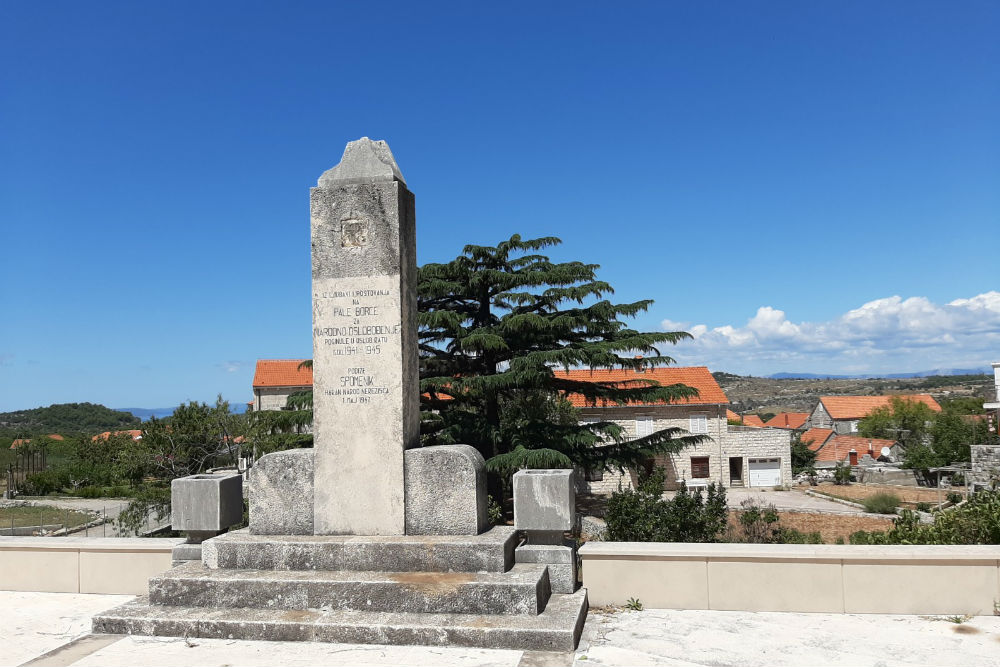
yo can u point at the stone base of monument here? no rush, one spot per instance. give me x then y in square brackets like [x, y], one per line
[418, 589]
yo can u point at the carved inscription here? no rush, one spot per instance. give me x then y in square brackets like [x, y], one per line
[357, 324]
[353, 233]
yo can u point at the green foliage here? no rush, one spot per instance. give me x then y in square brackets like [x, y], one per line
[803, 458]
[842, 474]
[643, 515]
[495, 322]
[633, 604]
[148, 501]
[68, 417]
[44, 482]
[792, 536]
[954, 497]
[758, 523]
[923, 507]
[975, 522]
[494, 512]
[963, 405]
[881, 503]
[903, 420]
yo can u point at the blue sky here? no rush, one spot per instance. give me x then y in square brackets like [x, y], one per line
[806, 186]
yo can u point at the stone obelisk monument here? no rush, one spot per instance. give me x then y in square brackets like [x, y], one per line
[365, 376]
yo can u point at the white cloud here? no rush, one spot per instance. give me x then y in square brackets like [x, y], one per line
[886, 335]
[230, 366]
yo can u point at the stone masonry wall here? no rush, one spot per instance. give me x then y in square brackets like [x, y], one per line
[724, 441]
[985, 464]
[273, 398]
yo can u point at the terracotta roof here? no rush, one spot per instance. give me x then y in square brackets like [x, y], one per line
[282, 373]
[839, 447]
[815, 437]
[790, 420]
[753, 420]
[732, 416]
[135, 433]
[856, 407]
[709, 391]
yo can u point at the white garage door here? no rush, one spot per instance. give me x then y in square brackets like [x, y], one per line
[765, 472]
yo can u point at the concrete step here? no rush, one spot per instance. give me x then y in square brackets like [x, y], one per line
[524, 589]
[555, 629]
[492, 551]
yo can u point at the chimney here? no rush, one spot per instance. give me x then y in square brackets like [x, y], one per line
[852, 457]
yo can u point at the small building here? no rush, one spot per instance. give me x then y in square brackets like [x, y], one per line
[815, 438]
[731, 455]
[274, 380]
[842, 413]
[753, 420]
[986, 457]
[850, 450]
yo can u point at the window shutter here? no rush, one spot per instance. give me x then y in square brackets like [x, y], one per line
[699, 423]
[699, 467]
[643, 426]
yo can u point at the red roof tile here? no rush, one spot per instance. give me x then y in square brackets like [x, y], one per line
[839, 447]
[753, 420]
[815, 437]
[135, 433]
[282, 373]
[732, 416]
[792, 420]
[857, 407]
[709, 391]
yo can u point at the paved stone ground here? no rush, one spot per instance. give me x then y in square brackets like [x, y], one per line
[796, 501]
[56, 626]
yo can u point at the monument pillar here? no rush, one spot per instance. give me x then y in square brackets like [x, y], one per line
[365, 374]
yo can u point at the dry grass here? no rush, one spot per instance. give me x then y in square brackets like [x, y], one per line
[832, 526]
[44, 515]
[907, 494]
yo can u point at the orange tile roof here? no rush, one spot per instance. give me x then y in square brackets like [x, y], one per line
[856, 407]
[135, 433]
[709, 391]
[24, 441]
[753, 420]
[839, 447]
[282, 373]
[815, 437]
[732, 416]
[790, 420]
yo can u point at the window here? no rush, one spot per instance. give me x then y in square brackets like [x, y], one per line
[699, 423]
[699, 467]
[643, 426]
[854, 427]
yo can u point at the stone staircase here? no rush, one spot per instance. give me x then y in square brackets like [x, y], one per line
[429, 590]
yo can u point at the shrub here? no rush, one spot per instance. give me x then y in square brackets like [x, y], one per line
[793, 536]
[923, 507]
[758, 523]
[45, 482]
[975, 522]
[643, 515]
[842, 474]
[954, 497]
[881, 503]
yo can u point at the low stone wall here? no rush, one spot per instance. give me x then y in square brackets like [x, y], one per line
[849, 579]
[112, 565]
[985, 465]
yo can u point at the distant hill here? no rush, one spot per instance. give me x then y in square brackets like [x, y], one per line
[67, 417]
[889, 376]
[146, 413]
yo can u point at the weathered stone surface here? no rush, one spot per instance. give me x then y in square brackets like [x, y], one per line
[365, 382]
[593, 528]
[445, 491]
[560, 559]
[364, 161]
[557, 628]
[544, 500]
[206, 502]
[281, 493]
[492, 551]
[523, 590]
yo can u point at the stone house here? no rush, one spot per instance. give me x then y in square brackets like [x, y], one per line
[848, 449]
[274, 380]
[842, 413]
[985, 457]
[731, 455]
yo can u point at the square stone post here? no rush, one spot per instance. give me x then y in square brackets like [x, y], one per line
[365, 377]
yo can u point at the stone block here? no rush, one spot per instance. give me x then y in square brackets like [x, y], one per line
[544, 500]
[560, 560]
[445, 491]
[281, 493]
[206, 502]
